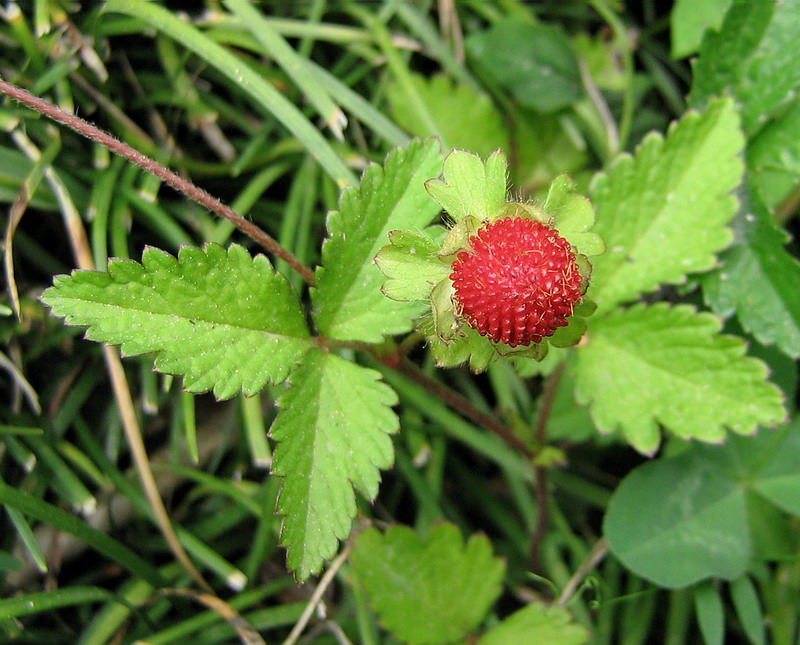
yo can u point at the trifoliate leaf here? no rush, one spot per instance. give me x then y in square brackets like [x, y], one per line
[332, 437]
[348, 301]
[668, 365]
[464, 117]
[758, 280]
[533, 61]
[534, 624]
[752, 58]
[412, 264]
[662, 213]
[689, 20]
[697, 529]
[471, 186]
[428, 590]
[223, 320]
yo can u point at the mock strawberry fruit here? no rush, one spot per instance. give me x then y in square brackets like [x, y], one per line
[517, 282]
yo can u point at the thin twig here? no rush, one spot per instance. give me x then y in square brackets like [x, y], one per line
[598, 552]
[323, 585]
[463, 405]
[143, 161]
[541, 493]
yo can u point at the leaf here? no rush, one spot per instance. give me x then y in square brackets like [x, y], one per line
[332, 433]
[412, 264]
[471, 186]
[758, 280]
[536, 623]
[221, 319]
[667, 365]
[689, 20]
[752, 58]
[348, 301]
[534, 62]
[773, 157]
[678, 521]
[710, 613]
[775, 475]
[748, 609]
[428, 590]
[466, 118]
[662, 213]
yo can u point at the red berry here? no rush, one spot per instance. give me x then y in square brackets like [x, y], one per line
[518, 281]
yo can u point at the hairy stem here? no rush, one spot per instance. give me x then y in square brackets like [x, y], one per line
[143, 161]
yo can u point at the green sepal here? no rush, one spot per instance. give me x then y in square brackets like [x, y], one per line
[412, 264]
[471, 186]
[572, 216]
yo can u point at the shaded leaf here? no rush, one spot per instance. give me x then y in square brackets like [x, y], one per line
[753, 58]
[758, 280]
[428, 590]
[466, 118]
[697, 530]
[689, 20]
[534, 62]
[536, 623]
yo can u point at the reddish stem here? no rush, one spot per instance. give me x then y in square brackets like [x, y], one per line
[143, 161]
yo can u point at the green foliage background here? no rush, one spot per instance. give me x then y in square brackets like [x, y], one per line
[640, 487]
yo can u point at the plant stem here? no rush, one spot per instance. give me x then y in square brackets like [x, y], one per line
[463, 405]
[143, 161]
[541, 492]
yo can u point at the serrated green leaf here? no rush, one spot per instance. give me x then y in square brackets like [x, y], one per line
[689, 20]
[332, 435]
[348, 301]
[223, 320]
[697, 530]
[752, 58]
[662, 213]
[536, 623]
[432, 590]
[758, 280]
[573, 216]
[668, 365]
[534, 62]
[466, 118]
[471, 186]
[412, 264]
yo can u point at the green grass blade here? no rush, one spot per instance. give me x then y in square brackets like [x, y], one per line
[244, 77]
[294, 65]
[108, 546]
[25, 534]
[34, 603]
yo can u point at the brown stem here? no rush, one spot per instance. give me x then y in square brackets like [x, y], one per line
[177, 182]
[463, 405]
[540, 490]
